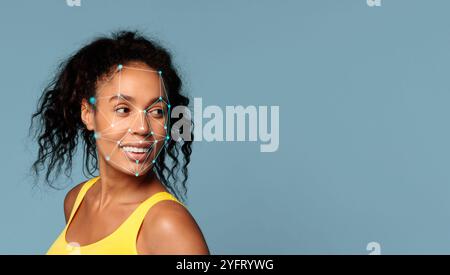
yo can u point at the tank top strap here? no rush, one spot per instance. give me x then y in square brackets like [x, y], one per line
[88, 184]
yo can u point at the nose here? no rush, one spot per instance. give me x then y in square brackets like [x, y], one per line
[141, 125]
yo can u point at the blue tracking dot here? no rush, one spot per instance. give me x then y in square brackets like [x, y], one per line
[92, 100]
[119, 67]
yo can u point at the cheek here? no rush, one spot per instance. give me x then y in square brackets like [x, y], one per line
[157, 126]
[109, 131]
[102, 117]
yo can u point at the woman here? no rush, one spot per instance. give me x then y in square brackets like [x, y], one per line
[115, 94]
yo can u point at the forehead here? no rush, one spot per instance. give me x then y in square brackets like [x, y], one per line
[135, 79]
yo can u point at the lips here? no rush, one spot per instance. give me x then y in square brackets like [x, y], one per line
[137, 151]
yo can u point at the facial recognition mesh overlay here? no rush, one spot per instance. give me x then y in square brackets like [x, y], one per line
[131, 137]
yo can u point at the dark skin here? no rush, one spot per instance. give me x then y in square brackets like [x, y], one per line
[168, 227]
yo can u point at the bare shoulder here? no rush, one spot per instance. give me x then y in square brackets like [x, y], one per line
[169, 228]
[70, 198]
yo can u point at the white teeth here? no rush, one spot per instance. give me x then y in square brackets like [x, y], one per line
[135, 149]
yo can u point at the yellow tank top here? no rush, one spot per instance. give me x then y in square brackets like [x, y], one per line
[121, 241]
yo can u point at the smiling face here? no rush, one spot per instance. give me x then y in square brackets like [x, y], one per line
[130, 118]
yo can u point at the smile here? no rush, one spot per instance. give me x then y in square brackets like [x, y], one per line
[137, 152]
[135, 149]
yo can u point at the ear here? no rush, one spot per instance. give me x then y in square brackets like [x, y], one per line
[87, 115]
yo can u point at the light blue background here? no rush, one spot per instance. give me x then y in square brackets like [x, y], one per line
[364, 118]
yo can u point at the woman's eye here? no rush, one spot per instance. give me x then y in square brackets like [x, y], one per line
[157, 112]
[122, 110]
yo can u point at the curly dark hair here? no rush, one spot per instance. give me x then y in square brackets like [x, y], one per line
[59, 114]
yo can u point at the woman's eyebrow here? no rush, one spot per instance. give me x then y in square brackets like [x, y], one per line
[152, 101]
[121, 96]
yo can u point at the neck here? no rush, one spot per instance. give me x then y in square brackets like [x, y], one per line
[119, 187]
